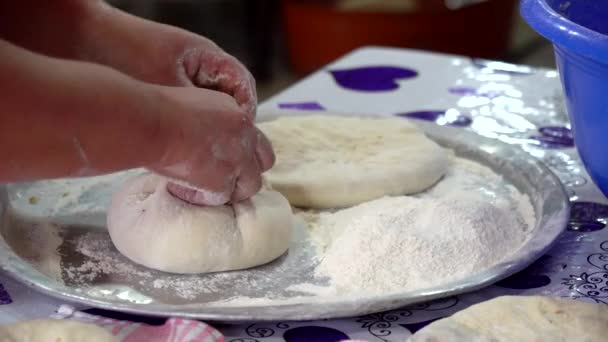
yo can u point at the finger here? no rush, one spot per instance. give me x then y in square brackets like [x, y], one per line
[254, 88]
[245, 93]
[248, 183]
[226, 74]
[246, 99]
[210, 185]
[240, 84]
[198, 196]
[264, 152]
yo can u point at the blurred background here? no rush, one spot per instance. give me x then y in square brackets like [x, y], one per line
[281, 41]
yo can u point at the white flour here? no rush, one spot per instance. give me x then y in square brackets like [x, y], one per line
[399, 243]
[101, 261]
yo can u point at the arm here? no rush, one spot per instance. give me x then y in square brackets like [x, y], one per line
[64, 118]
[91, 30]
[107, 121]
[54, 28]
[164, 54]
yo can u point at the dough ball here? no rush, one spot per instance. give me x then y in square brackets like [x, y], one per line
[52, 330]
[521, 318]
[326, 161]
[152, 227]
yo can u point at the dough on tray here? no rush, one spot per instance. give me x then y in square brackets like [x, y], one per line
[151, 227]
[522, 318]
[45, 330]
[329, 161]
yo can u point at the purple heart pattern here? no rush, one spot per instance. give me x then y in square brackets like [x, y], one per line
[311, 105]
[588, 217]
[553, 137]
[531, 277]
[414, 327]
[462, 91]
[5, 298]
[372, 78]
[154, 321]
[524, 281]
[314, 333]
[470, 91]
[441, 117]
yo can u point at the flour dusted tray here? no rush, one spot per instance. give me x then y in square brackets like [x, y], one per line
[58, 244]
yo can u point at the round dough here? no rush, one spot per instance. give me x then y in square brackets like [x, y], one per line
[326, 161]
[521, 318]
[153, 228]
[45, 330]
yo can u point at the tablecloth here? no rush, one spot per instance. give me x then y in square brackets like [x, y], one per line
[516, 104]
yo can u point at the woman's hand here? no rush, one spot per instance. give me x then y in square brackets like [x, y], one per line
[214, 147]
[63, 118]
[165, 55]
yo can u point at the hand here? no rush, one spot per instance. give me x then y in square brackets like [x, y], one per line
[215, 147]
[96, 32]
[166, 55]
[175, 57]
[110, 122]
[220, 168]
[163, 55]
[203, 64]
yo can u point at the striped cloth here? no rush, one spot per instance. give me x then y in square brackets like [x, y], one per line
[174, 329]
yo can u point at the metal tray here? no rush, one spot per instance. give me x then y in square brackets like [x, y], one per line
[134, 294]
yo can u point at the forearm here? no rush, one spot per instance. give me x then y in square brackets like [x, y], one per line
[144, 49]
[166, 55]
[54, 28]
[93, 31]
[63, 118]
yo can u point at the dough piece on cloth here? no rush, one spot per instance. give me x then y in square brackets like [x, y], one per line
[53, 330]
[152, 227]
[522, 318]
[326, 161]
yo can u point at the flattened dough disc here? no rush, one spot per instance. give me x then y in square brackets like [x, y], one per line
[522, 318]
[45, 330]
[326, 161]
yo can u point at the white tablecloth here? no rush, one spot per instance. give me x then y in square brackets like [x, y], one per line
[516, 104]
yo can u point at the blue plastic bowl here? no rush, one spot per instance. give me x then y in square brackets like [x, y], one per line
[578, 30]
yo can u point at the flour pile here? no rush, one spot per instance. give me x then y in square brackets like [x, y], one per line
[398, 243]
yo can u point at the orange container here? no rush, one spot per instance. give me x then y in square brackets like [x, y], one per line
[318, 33]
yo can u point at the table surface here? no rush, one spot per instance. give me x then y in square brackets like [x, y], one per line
[516, 104]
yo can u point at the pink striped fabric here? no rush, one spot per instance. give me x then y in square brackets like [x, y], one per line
[174, 329]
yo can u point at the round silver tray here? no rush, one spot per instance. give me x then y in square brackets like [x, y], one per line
[527, 174]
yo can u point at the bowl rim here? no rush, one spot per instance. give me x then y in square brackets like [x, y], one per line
[561, 31]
